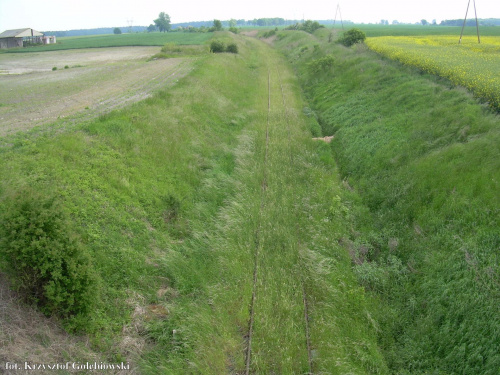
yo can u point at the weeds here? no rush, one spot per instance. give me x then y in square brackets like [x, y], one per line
[424, 158]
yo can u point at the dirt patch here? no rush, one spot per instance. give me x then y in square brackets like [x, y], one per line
[252, 33]
[97, 81]
[269, 40]
[326, 139]
[28, 336]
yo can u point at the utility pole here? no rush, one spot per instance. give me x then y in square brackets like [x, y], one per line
[337, 11]
[465, 19]
[129, 22]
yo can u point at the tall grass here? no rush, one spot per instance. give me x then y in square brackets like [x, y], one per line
[279, 222]
[174, 197]
[424, 157]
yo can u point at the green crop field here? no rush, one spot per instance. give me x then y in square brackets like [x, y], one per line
[213, 228]
[101, 41]
[418, 30]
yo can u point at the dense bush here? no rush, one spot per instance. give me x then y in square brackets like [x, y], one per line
[352, 37]
[322, 64]
[308, 26]
[217, 46]
[43, 257]
[232, 48]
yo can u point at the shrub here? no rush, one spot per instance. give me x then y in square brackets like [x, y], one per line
[43, 257]
[322, 64]
[171, 47]
[269, 34]
[217, 46]
[352, 37]
[66, 66]
[54, 68]
[234, 30]
[232, 48]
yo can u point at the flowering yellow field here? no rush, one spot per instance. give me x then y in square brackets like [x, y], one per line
[475, 66]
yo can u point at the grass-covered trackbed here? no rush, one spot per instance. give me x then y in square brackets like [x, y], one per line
[280, 297]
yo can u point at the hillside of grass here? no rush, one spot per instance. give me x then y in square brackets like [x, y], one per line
[121, 40]
[198, 231]
[424, 156]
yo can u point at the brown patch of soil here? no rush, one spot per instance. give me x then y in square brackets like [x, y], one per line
[252, 33]
[28, 336]
[98, 81]
[327, 139]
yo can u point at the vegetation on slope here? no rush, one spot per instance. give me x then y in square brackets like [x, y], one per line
[424, 156]
[177, 198]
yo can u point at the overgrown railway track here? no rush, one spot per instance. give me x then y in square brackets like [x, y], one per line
[258, 234]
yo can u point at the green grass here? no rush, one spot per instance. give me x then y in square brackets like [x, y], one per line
[173, 198]
[122, 40]
[424, 157]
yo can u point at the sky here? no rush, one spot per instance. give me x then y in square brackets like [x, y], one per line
[55, 15]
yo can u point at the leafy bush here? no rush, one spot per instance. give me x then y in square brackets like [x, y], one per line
[308, 26]
[217, 46]
[171, 47]
[234, 30]
[43, 257]
[352, 37]
[322, 64]
[232, 48]
[54, 68]
[269, 34]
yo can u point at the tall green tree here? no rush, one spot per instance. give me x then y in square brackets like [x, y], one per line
[163, 22]
[217, 25]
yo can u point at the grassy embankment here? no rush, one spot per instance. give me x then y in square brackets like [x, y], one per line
[122, 40]
[424, 156]
[187, 204]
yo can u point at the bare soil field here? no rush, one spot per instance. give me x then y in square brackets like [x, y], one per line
[96, 81]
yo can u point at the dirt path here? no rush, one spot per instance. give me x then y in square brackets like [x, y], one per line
[97, 81]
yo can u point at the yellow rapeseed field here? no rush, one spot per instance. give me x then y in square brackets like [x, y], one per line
[469, 64]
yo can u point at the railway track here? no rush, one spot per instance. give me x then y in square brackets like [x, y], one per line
[258, 235]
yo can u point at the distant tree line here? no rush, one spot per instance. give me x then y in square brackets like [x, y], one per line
[472, 22]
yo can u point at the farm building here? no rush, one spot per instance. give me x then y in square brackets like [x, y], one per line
[21, 37]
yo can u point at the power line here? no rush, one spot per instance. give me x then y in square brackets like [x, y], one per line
[465, 19]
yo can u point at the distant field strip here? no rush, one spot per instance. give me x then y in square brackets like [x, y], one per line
[122, 40]
[469, 64]
[82, 93]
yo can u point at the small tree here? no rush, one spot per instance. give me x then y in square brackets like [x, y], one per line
[151, 28]
[163, 22]
[352, 37]
[217, 25]
[117, 30]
